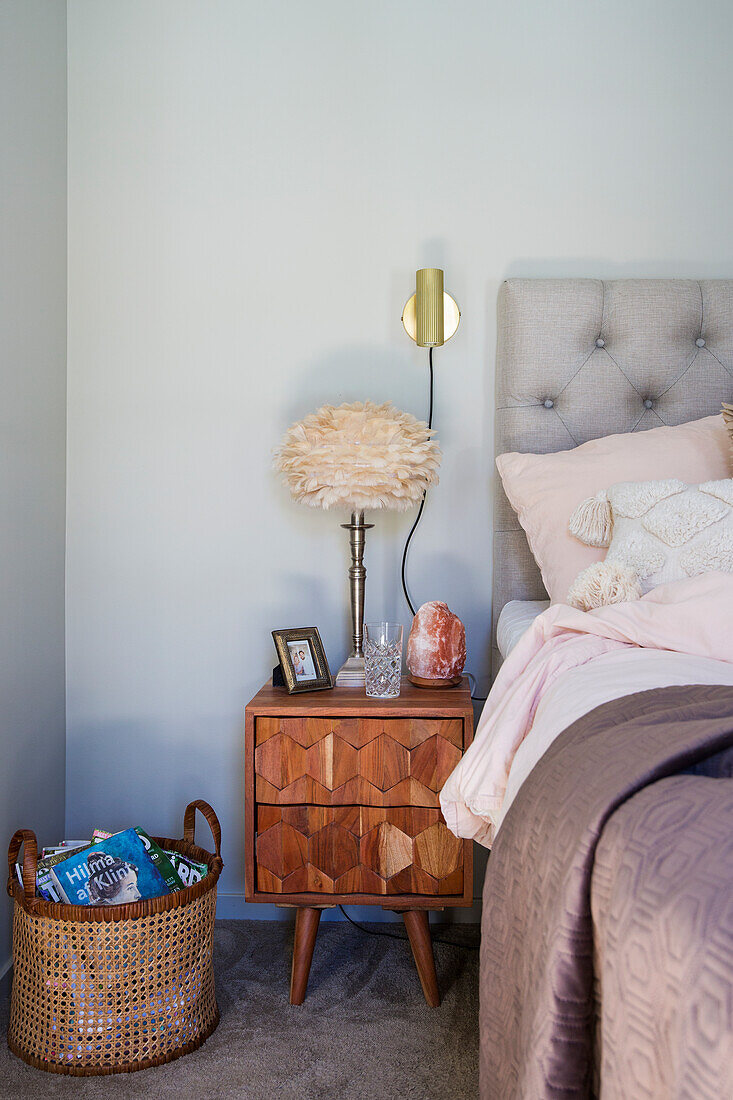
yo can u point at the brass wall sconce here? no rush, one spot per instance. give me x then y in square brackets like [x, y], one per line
[430, 316]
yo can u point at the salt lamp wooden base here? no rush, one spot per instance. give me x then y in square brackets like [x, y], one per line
[422, 682]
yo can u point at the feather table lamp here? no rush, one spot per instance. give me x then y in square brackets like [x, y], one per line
[359, 457]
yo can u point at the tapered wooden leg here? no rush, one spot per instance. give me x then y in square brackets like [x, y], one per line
[306, 930]
[418, 929]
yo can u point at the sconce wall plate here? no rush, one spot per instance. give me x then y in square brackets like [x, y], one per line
[451, 317]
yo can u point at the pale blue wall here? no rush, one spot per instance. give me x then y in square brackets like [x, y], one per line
[251, 187]
[32, 423]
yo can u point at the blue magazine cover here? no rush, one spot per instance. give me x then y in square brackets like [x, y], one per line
[113, 872]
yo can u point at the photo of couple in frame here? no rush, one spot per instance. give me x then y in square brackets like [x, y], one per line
[303, 662]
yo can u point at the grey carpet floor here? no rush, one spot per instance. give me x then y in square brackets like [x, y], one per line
[364, 1032]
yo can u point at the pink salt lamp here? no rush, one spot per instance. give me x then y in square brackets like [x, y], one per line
[436, 648]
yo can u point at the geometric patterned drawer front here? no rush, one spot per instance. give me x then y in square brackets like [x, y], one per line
[356, 850]
[355, 761]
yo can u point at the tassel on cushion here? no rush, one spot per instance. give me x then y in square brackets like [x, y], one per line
[592, 521]
[603, 583]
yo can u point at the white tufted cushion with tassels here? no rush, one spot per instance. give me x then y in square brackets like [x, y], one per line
[662, 531]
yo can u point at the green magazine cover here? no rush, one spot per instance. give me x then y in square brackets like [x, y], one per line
[170, 876]
[188, 870]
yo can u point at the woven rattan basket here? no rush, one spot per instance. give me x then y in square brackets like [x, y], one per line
[111, 989]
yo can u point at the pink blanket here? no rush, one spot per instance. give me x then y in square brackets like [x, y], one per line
[692, 616]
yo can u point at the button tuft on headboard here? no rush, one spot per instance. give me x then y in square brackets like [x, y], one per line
[600, 342]
[700, 342]
[548, 403]
[648, 403]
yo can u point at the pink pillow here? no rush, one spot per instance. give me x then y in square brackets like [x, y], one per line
[544, 490]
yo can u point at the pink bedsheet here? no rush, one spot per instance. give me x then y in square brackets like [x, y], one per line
[692, 616]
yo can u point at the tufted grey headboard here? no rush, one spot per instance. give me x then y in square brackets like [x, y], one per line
[581, 358]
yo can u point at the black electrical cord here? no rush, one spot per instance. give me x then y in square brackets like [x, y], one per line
[422, 502]
[476, 698]
[404, 939]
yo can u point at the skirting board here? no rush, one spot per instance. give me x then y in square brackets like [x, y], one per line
[5, 978]
[234, 907]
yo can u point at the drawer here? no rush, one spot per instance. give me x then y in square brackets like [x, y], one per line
[355, 761]
[356, 850]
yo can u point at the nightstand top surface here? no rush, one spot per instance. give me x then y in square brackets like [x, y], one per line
[412, 701]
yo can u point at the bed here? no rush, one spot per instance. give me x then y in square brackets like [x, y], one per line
[601, 770]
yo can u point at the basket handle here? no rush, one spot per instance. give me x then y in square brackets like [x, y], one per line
[189, 823]
[26, 839]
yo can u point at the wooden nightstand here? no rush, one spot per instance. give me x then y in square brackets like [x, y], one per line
[341, 807]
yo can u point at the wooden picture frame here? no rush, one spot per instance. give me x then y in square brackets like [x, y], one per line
[302, 659]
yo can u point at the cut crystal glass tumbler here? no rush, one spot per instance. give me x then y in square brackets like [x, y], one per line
[383, 659]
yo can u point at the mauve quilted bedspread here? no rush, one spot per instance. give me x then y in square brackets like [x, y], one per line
[607, 943]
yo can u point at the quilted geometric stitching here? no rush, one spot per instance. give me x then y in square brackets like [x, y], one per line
[542, 946]
[657, 946]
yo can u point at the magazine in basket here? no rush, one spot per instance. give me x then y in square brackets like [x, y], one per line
[122, 868]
